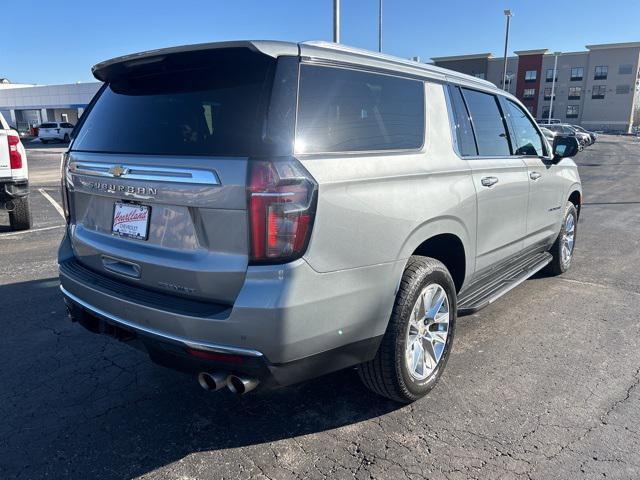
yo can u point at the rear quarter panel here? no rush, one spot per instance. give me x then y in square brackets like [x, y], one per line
[378, 208]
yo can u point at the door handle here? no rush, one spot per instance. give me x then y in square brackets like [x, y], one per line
[535, 175]
[489, 181]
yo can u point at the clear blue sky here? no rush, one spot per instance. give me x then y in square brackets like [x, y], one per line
[58, 42]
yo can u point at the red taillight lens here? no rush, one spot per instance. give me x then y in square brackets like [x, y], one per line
[281, 209]
[15, 159]
[64, 189]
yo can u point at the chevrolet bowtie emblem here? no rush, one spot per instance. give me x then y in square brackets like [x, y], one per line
[118, 171]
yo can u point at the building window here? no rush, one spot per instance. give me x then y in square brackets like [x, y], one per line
[572, 111]
[547, 94]
[545, 114]
[622, 89]
[601, 72]
[508, 80]
[575, 93]
[529, 93]
[530, 75]
[598, 91]
[577, 73]
[625, 69]
[480, 75]
[549, 77]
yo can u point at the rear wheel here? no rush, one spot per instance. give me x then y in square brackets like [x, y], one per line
[417, 343]
[562, 249]
[20, 217]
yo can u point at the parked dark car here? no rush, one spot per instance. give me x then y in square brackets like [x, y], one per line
[592, 135]
[566, 130]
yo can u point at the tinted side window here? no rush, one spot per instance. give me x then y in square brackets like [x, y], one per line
[342, 110]
[488, 125]
[526, 139]
[464, 132]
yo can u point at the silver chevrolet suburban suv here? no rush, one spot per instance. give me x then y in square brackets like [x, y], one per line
[265, 212]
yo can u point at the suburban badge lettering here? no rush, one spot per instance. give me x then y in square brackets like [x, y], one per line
[127, 189]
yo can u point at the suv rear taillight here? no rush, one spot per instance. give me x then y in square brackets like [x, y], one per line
[15, 159]
[64, 160]
[282, 198]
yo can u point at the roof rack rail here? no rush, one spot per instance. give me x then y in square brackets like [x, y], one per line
[397, 60]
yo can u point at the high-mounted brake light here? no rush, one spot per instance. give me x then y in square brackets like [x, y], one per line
[281, 209]
[15, 158]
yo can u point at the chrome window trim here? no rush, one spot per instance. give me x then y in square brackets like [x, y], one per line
[142, 172]
[212, 347]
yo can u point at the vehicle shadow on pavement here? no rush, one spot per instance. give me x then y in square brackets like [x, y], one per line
[82, 405]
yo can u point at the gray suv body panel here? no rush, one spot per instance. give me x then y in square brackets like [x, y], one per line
[374, 210]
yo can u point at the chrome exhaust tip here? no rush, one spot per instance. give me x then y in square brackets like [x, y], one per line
[9, 206]
[212, 381]
[241, 385]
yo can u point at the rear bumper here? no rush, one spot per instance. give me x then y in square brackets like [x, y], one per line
[10, 189]
[289, 322]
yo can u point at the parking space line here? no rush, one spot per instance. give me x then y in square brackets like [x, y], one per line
[33, 230]
[55, 204]
[599, 285]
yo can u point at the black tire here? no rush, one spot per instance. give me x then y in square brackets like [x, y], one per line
[42, 140]
[20, 218]
[387, 373]
[66, 138]
[557, 265]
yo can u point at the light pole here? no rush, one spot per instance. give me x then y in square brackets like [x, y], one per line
[380, 26]
[336, 21]
[508, 14]
[553, 84]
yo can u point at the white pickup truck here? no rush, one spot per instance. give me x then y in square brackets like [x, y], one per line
[14, 178]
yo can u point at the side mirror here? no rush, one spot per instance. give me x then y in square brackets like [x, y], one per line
[564, 147]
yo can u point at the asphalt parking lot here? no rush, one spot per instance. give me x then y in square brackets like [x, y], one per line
[541, 384]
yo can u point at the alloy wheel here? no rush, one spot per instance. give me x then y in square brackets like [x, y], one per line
[428, 331]
[568, 238]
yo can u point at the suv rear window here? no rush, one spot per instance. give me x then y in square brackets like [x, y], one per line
[49, 125]
[210, 108]
[342, 110]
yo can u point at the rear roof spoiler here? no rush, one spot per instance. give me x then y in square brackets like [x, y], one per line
[103, 70]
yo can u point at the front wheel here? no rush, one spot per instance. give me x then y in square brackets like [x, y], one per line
[562, 249]
[418, 340]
